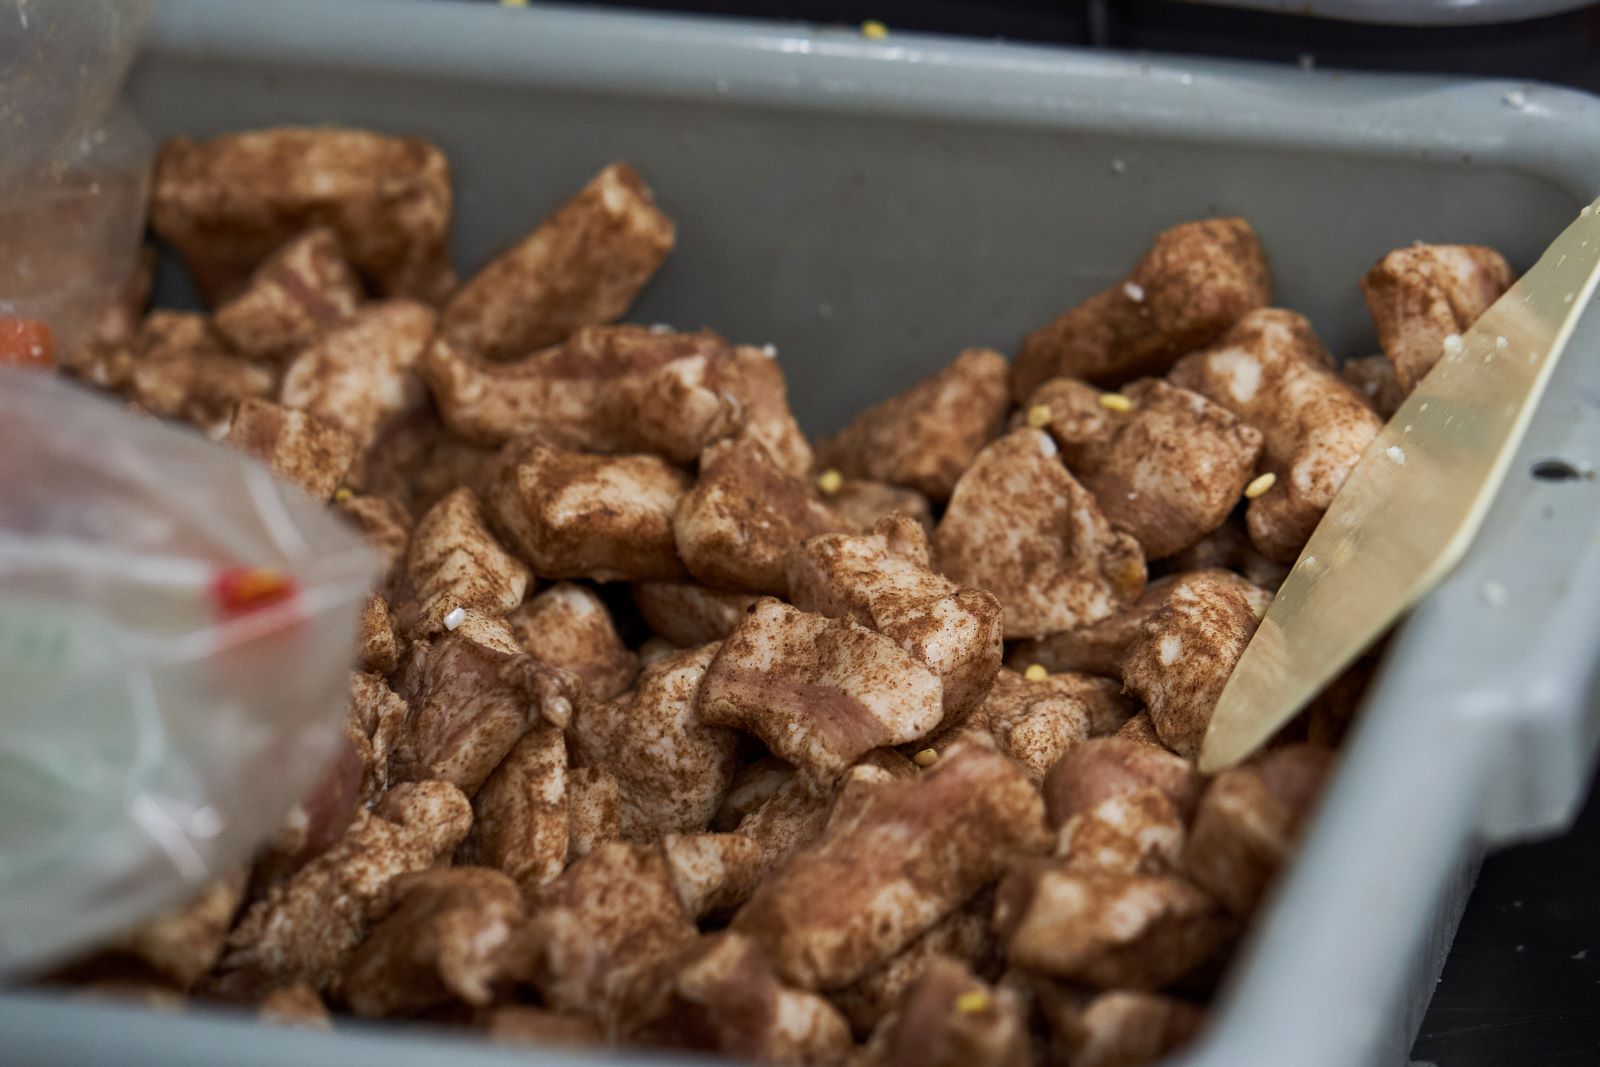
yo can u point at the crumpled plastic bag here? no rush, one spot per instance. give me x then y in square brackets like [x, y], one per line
[176, 631]
[74, 168]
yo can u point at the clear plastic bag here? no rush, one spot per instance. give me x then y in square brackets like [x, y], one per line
[74, 170]
[176, 629]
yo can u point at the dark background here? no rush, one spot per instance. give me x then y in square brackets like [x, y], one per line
[1522, 985]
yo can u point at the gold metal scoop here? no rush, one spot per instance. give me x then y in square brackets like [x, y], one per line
[1412, 505]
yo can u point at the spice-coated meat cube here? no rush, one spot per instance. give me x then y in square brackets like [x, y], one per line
[295, 1005]
[378, 645]
[909, 856]
[672, 767]
[571, 515]
[1193, 283]
[594, 810]
[1184, 654]
[719, 995]
[951, 1018]
[472, 695]
[713, 873]
[436, 938]
[1033, 722]
[1168, 470]
[300, 290]
[181, 369]
[297, 447]
[583, 265]
[819, 692]
[359, 374]
[1021, 527]
[1123, 1028]
[1272, 372]
[863, 504]
[1100, 647]
[606, 389]
[1127, 833]
[521, 821]
[966, 935]
[612, 911]
[520, 1024]
[883, 580]
[1373, 378]
[569, 626]
[926, 436]
[736, 527]
[454, 564]
[688, 613]
[181, 946]
[304, 929]
[226, 203]
[373, 724]
[1245, 825]
[1105, 767]
[1107, 930]
[1421, 294]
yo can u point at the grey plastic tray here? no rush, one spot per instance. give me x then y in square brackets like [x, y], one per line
[1412, 12]
[871, 207]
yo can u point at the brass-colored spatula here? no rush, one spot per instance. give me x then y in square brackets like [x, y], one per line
[1412, 505]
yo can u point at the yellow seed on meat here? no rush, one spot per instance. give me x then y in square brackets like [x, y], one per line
[1039, 416]
[1260, 485]
[926, 758]
[1116, 402]
[1036, 672]
[973, 1001]
[830, 481]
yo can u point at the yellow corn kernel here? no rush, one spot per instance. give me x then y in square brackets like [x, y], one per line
[926, 758]
[1036, 672]
[873, 30]
[344, 493]
[1039, 416]
[973, 1001]
[830, 481]
[1260, 485]
[1116, 402]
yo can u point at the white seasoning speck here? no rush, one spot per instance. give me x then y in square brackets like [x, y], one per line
[1424, 407]
[1501, 343]
[1567, 299]
[1453, 344]
[1494, 594]
[1580, 954]
[1309, 562]
[1586, 210]
[455, 618]
[1396, 453]
[1119, 166]
[1133, 291]
[1516, 98]
[661, 327]
[1407, 428]
[769, 350]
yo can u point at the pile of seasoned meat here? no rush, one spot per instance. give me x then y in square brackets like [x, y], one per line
[674, 728]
